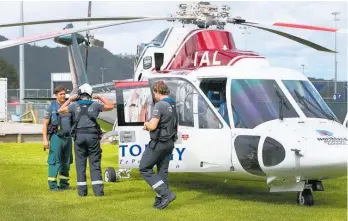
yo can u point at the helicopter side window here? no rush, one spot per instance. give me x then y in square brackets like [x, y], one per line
[206, 117]
[137, 104]
[180, 91]
[184, 103]
[183, 93]
[215, 89]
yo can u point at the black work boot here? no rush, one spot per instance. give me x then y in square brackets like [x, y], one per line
[157, 202]
[56, 190]
[66, 188]
[165, 200]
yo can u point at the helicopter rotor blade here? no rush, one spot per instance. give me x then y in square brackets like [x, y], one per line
[88, 19]
[48, 35]
[299, 26]
[294, 38]
[293, 25]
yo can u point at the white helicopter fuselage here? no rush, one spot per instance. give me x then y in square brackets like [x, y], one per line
[238, 116]
[293, 149]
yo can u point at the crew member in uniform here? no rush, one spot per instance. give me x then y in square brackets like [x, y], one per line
[87, 135]
[56, 137]
[163, 134]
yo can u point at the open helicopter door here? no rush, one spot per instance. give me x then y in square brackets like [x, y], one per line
[133, 101]
[134, 106]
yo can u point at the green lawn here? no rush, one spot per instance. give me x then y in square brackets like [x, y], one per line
[24, 195]
[105, 126]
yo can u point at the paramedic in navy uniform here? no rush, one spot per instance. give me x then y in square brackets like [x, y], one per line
[163, 133]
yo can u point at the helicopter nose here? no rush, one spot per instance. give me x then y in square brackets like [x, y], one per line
[324, 161]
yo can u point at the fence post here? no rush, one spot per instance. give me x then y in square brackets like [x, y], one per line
[37, 114]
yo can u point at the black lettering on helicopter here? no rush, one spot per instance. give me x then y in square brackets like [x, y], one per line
[333, 140]
[205, 59]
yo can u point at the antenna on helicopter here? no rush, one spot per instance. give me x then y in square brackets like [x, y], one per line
[90, 40]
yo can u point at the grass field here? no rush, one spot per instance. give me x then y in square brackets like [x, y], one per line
[24, 195]
[104, 125]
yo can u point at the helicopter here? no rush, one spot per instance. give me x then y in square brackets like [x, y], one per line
[238, 116]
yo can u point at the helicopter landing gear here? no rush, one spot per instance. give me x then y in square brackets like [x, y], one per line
[110, 175]
[305, 197]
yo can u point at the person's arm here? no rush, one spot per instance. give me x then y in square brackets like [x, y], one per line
[46, 121]
[107, 106]
[156, 116]
[152, 124]
[64, 108]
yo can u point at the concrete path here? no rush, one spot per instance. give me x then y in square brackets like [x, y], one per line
[20, 128]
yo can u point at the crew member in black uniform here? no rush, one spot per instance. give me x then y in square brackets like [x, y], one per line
[87, 134]
[163, 134]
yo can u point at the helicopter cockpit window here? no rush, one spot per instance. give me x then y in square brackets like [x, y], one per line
[159, 39]
[255, 101]
[309, 100]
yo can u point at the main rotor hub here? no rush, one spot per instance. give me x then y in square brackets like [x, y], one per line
[206, 14]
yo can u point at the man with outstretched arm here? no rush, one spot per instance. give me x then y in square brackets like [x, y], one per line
[87, 135]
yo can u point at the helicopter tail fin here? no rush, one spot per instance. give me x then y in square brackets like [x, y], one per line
[76, 64]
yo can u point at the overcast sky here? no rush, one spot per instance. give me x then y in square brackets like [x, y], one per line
[280, 51]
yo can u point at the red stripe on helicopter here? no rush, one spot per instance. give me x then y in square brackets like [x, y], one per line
[200, 41]
[233, 61]
[289, 25]
[131, 84]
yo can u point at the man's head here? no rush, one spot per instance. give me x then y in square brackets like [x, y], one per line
[85, 92]
[160, 90]
[60, 92]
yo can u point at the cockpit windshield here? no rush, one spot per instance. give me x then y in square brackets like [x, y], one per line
[255, 101]
[309, 100]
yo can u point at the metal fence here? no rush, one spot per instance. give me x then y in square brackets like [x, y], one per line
[326, 90]
[28, 112]
[13, 94]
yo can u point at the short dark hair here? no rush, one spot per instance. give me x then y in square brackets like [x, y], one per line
[59, 89]
[161, 87]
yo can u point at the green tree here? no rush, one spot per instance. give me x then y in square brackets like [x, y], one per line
[9, 71]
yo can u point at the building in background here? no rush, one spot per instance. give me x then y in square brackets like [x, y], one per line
[63, 79]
